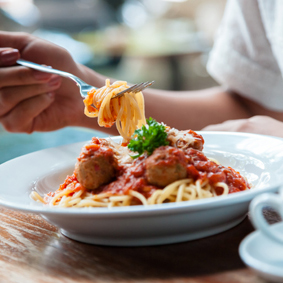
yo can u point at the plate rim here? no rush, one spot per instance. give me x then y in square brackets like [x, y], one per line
[169, 207]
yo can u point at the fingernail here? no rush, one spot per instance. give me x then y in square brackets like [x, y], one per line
[10, 56]
[54, 81]
[41, 75]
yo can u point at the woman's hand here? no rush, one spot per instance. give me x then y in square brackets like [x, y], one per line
[257, 124]
[31, 100]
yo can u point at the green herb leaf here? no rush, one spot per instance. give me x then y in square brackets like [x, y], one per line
[148, 138]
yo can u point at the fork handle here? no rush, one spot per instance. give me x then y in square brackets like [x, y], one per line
[46, 69]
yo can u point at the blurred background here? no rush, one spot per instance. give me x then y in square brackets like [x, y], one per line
[133, 40]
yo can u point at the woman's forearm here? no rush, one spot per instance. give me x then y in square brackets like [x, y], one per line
[193, 109]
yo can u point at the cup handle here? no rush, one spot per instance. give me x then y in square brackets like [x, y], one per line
[258, 220]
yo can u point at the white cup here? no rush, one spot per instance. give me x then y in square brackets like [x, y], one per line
[257, 204]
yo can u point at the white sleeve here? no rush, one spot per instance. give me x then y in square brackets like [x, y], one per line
[242, 59]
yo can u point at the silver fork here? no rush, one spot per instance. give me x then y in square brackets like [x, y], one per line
[135, 88]
[84, 87]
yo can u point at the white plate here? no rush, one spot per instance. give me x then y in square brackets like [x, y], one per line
[263, 255]
[257, 157]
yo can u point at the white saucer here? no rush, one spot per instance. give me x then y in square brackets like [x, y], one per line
[263, 255]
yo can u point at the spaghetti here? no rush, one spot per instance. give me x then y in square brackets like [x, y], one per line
[204, 178]
[127, 111]
[183, 190]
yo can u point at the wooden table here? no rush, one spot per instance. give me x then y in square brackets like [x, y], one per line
[32, 250]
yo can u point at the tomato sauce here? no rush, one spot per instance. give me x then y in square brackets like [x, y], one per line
[95, 145]
[199, 167]
[133, 176]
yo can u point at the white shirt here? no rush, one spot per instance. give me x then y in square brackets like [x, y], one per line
[247, 56]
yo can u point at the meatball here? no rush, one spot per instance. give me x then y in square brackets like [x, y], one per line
[96, 166]
[166, 165]
[184, 139]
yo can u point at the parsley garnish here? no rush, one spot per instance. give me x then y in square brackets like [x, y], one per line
[148, 138]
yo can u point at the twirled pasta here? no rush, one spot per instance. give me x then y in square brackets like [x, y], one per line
[127, 111]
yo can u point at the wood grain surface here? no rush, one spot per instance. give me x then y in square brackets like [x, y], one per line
[32, 250]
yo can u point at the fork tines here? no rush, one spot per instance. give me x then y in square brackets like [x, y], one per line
[135, 88]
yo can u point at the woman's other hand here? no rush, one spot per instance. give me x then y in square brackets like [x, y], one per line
[257, 124]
